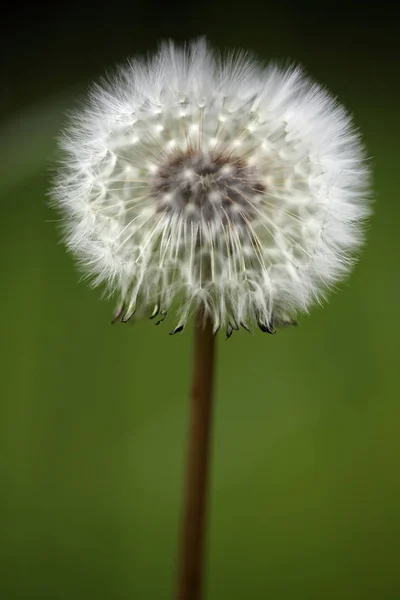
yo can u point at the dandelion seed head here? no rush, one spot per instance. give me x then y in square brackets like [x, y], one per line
[213, 182]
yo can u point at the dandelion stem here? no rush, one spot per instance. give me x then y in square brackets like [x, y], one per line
[193, 526]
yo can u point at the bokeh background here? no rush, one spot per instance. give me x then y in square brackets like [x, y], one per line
[305, 486]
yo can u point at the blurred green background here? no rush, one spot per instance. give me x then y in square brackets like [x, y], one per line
[305, 489]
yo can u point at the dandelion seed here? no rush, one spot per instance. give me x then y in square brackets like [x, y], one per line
[216, 184]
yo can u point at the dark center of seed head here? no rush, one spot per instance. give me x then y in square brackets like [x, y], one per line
[207, 187]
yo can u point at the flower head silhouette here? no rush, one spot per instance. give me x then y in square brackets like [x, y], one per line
[215, 183]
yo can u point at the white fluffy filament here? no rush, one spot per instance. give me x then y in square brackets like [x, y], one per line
[213, 182]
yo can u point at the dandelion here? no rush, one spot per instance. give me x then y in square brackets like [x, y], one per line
[227, 189]
[213, 183]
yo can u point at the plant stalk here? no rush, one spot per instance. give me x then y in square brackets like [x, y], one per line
[195, 498]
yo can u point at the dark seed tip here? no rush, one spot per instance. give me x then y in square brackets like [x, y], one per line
[266, 328]
[176, 330]
[155, 312]
[126, 317]
[163, 317]
[229, 331]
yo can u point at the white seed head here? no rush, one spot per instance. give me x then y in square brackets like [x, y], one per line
[213, 183]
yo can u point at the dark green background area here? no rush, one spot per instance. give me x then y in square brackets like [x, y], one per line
[305, 490]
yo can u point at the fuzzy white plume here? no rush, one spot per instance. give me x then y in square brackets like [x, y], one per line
[213, 182]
